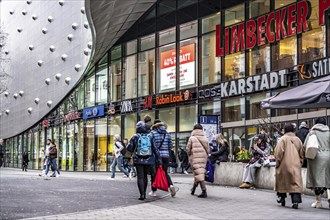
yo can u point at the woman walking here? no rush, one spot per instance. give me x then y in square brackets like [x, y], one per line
[198, 150]
[118, 157]
[289, 159]
[143, 163]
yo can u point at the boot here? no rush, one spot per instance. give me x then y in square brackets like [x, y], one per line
[142, 197]
[193, 190]
[317, 204]
[203, 194]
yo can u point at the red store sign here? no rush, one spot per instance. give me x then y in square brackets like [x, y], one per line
[73, 116]
[280, 24]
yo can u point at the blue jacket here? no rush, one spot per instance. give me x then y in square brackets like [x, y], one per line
[132, 144]
[158, 133]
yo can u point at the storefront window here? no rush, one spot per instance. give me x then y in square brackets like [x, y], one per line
[20, 149]
[255, 107]
[167, 36]
[234, 109]
[15, 156]
[282, 111]
[147, 42]
[70, 147]
[58, 142]
[130, 121]
[79, 146]
[116, 52]
[42, 148]
[259, 60]
[258, 7]
[188, 63]
[166, 69]
[282, 3]
[209, 23]
[102, 81]
[146, 73]
[9, 152]
[80, 96]
[285, 53]
[64, 148]
[237, 140]
[131, 47]
[89, 146]
[234, 66]
[130, 81]
[313, 42]
[115, 79]
[114, 127]
[187, 117]
[168, 116]
[211, 64]
[234, 15]
[90, 91]
[150, 113]
[36, 151]
[101, 141]
[30, 149]
[188, 30]
[211, 108]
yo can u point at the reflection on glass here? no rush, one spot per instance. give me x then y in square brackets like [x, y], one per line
[234, 66]
[146, 73]
[101, 86]
[258, 7]
[80, 96]
[209, 23]
[285, 53]
[211, 64]
[168, 117]
[211, 108]
[129, 125]
[114, 125]
[89, 146]
[64, 148]
[130, 82]
[167, 36]
[90, 91]
[282, 3]
[131, 47]
[188, 30]
[147, 42]
[259, 60]
[188, 117]
[234, 15]
[101, 141]
[255, 107]
[115, 78]
[70, 152]
[41, 143]
[234, 109]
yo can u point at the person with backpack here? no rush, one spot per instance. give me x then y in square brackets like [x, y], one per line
[119, 151]
[163, 142]
[145, 155]
[52, 159]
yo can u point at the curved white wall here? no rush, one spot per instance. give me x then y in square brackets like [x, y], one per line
[57, 21]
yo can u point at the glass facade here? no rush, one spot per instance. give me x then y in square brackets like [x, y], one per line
[139, 70]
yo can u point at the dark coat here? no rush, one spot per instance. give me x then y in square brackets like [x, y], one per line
[132, 145]
[183, 157]
[25, 158]
[221, 155]
[302, 133]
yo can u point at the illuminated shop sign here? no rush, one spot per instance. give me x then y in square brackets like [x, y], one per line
[73, 116]
[111, 109]
[126, 106]
[147, 104]
[173, 98]
[45, 123]
[274, 26]
[93, 112]
[314, 69]
[168, 64]
[246, 85]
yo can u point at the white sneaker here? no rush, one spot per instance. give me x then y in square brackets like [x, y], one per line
[111, 178]
[152, 193]
[185, 172]
[58, 175]
[130, 176]
[172, 190]
[317, 205]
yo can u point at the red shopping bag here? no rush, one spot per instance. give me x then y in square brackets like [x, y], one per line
[160, 180]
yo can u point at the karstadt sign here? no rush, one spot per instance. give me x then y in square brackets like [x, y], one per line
[247, 85]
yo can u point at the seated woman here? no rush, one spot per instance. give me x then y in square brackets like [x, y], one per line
[221, 155]
[261, 148]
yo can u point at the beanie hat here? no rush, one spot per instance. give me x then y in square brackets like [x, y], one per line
[321, 120]
[140, 125]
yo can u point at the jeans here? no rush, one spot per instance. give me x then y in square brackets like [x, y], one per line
[142, 178]
[119, 161]
[52, 162]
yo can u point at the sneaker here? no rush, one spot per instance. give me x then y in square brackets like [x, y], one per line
[245, 185]
[58, 175]
[185, 172]
[130, 176]
[53, 175]
[152, 193]
[172, 189]
[111, 178]
[42, 174]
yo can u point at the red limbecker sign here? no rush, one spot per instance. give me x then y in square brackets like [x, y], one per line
[280, 24]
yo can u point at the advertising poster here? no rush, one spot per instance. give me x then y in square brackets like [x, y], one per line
[187, 67]
[210, 125]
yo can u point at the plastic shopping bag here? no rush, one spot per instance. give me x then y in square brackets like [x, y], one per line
[160, 180]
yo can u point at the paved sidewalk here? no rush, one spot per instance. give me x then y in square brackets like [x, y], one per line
[222, 203]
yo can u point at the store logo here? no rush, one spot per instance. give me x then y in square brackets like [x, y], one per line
[95, 111]
[147, 102]
[126, 106]
[315, 69]
[73, 116]
[172, 98]
[187, 95]
[111, 110]
[45, 123]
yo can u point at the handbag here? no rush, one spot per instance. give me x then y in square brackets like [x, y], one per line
[312, 147]
[269, 161]
[209, 174]
[160, 181]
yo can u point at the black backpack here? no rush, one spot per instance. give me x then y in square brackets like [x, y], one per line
[124, 150]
